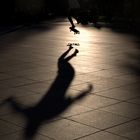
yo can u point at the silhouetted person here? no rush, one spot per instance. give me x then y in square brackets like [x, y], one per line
[54, 101]
[73, 11]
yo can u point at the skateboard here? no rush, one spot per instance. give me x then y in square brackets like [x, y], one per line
[74, 30]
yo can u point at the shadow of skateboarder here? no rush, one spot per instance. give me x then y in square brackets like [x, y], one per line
[54, 102]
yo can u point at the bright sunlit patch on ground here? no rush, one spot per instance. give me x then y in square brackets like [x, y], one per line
[84, 35]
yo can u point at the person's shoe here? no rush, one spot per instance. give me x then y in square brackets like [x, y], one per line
[72, 27]
[76, 51]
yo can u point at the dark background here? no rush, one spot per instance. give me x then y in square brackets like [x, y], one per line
[124, 12]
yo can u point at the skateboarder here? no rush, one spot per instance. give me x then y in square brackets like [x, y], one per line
[73, 10]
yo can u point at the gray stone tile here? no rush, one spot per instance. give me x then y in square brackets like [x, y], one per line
[110, 73]
[134, 88]
[38, 87]
[25, 101]
[38, 70]
[135, 100]
[16, 92]
[125, 109]
[15, 118]
[20, 119]
[9, 62]
[30, 100]
[77, 81]
[87, 77]
[3, 86]
[47, 69]
[21, 72]
[119, 93]
[20, 136]
[95, 101]
[102, 84]
[41, 76]
[65, 130]
[131, 78]
[4, 76]
[6, 128]
[5, 109]
[115, 82]
[103, 136]
[84, 69]
[15, 82]
[7, 68]
[74, 110]
[97, 87]
[99, 119]
[130, 130]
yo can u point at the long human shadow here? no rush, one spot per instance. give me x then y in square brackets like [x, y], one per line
[54, 101]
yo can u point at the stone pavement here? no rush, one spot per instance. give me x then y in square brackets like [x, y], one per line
[107, 60]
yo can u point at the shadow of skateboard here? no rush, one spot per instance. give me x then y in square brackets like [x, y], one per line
[71, 44]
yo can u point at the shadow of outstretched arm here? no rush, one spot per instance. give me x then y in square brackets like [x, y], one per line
[82, 94]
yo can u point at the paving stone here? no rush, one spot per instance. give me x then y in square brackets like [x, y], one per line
[7, 128]
[66, 130]
[97, 87]
[133, 88]
[130, 130]
[74, 110]
[20, 119]
[119, 93]
[15, 118]
[4, 76]
[30, 100]
[5, 109]
[16, 92]
[125, 109]
[135, 100]
[95, 101]
[7, 68]
[103, 135]
[111, 72]
[41, 77]
[37, 87]
[99, 119]
[20, 136]
[131, 78]
[14, 82]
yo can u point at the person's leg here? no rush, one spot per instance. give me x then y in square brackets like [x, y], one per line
[76, 14]
[70, 13]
